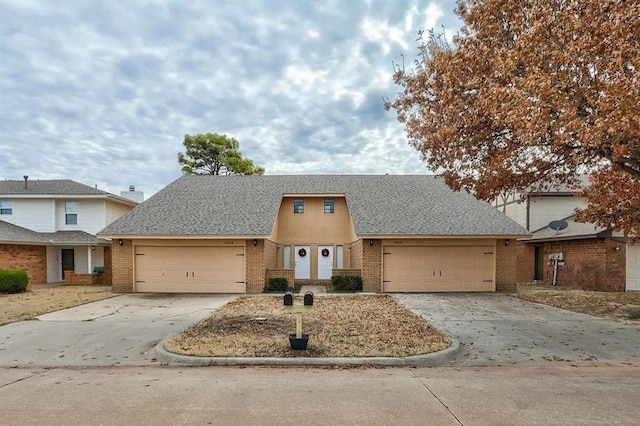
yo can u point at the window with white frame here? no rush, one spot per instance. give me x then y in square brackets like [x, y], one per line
[339, 257]
[6, 207]
[328, 205]
[298, 206]
[286, 256]
[71, 213]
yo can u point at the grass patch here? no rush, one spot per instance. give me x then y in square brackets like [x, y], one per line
[339, 326]
[616, 306]
[38, 301]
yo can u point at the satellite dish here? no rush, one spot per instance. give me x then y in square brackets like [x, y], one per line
[558, 225]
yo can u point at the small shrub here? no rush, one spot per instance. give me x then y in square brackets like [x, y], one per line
[277, 284]
[346, 283]
[13, 281]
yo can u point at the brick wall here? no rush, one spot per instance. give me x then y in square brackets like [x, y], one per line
[525, 259]
[289, 274]
[270, 254]
[82, 279]
[355, 255]
[371, 265]
[122, 264]
[506, 266]
[346, 272]
[32, 259]
[108, 268]
[255, 264]
[588, 264]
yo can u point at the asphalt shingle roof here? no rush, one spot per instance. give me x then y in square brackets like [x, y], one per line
[10, 233]
[59, 187]
[574, 230]
[13, 233]
[248, 206]
[53, 187]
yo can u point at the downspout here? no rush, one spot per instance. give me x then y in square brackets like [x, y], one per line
[528, 211]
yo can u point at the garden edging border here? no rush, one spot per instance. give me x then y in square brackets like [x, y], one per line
[426, 360]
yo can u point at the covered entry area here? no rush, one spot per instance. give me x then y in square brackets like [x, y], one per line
[438, 268]
[189, 269]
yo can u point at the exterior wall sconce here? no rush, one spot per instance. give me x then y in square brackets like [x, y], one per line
[616, 248]
[120, 242]
[93, 247]
[506, 242]
[371, 243]
[255, 242]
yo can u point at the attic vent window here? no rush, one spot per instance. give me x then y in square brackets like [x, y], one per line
[298, 206]
[328, 205]
[6, 207]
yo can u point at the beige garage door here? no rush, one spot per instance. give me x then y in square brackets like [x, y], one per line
[438, 269]
[633, 268]
[189, 269]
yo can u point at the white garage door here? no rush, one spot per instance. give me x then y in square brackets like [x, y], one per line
[633, 268]
[438, 269]
[189, 269]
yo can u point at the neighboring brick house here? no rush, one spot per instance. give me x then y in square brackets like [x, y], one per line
[48, 227]
[229, 234]
[591, 257]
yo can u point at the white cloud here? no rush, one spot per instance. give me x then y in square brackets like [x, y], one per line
[104, 93]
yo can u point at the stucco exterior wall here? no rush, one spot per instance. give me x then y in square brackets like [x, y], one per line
[543, 210]
[355, 254]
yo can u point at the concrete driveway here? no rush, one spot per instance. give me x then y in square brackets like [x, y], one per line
[495, 329]
[492, 329]
[117, 331]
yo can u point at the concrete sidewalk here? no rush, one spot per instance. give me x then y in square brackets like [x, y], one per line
[510, 395]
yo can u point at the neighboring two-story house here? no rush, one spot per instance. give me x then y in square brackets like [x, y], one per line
[48, 227]
[230, 234]
[588, 256]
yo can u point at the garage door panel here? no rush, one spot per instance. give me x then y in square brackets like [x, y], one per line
[190, 269]
[438, 269]
[633, 268]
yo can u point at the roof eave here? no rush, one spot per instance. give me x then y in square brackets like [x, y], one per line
[561, 238]
[441, 236]
[184, 237]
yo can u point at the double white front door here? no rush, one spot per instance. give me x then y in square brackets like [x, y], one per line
[324, 256]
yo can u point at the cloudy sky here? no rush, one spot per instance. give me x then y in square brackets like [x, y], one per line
[103, 92]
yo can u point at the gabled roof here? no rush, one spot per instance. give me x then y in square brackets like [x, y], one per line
[55, 189]
[380, 205]
[573, 231]
[73, 237]
[10, 233]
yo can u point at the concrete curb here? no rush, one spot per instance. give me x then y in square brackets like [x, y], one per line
[427, 360]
